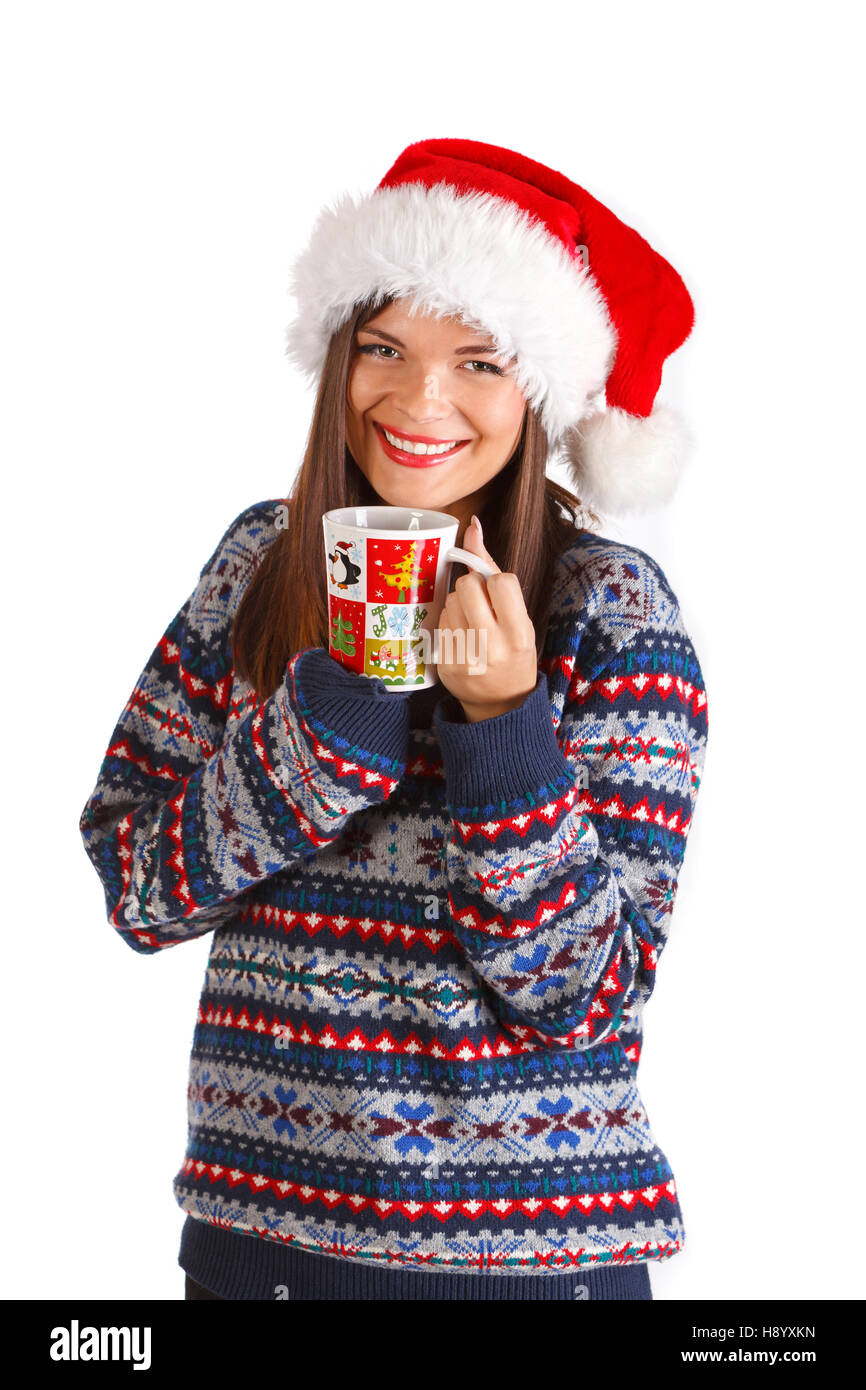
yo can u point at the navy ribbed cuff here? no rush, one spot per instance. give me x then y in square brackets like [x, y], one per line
[506, 758]
[355, 714]
[241, 1266]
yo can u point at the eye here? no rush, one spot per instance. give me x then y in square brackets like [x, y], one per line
[371, 348]
[490, 368]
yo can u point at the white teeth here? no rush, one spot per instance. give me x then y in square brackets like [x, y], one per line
[409, 448]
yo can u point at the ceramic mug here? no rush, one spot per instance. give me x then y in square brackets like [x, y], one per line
[389, 571]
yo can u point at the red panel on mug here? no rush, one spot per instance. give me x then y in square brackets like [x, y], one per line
[402, 571]
[346, 637]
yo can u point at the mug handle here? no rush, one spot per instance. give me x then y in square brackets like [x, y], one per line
[465, 557]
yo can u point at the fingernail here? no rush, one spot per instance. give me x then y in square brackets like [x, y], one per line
[478, 527]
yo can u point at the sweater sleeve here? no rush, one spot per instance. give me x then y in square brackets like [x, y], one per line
[184, 820]
[566, 843]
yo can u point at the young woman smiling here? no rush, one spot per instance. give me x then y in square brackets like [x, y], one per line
[414, 1070]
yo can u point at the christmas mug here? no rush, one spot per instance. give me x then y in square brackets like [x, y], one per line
[389, 572]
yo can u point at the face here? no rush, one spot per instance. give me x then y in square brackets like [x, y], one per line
[429, 382]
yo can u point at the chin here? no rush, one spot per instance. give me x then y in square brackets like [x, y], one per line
[406, 492]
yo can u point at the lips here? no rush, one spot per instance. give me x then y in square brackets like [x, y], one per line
[416, 460]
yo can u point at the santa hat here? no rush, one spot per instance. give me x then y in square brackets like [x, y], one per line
[587, 307]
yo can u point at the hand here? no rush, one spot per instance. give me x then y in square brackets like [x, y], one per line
[494, 611]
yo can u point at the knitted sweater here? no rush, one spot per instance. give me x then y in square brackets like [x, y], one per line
[432, 941]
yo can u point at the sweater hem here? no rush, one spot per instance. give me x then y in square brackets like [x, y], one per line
[239, 1264]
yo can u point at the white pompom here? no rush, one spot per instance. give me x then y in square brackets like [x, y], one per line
[622, 463]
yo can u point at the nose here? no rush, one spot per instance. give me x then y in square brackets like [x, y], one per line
[419, 398]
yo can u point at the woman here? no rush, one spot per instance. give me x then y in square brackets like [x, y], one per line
[437, 915]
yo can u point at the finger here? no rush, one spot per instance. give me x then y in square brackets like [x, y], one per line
[509, 608]
[483, 554]
[473, 596]
[453, 614]
[473, 543]
[451, 620]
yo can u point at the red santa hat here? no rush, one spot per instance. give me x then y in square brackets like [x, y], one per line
[515, 249]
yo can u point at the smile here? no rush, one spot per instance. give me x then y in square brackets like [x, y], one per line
[417, 452]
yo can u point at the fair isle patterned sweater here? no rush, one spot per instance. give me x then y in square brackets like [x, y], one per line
[431, 941]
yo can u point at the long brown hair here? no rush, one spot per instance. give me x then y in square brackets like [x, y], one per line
[528, 521]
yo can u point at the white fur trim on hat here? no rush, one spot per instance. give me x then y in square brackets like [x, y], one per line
[624, 463]
[474, 256]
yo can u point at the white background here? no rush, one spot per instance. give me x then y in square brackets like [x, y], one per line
[161, 167]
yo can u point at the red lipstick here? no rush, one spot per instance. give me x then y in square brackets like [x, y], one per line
[416, 460]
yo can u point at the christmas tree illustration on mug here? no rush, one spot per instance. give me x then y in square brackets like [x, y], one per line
[342, 635]
[406, 576]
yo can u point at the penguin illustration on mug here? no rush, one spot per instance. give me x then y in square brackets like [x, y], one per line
[340, 562]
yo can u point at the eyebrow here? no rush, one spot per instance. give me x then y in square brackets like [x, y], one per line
[474, 347]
